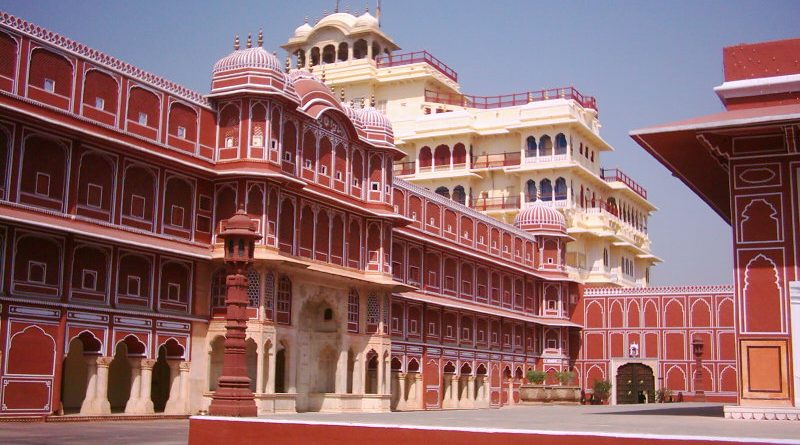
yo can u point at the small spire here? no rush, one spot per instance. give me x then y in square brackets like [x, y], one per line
[372, 100]
[352, 102]
[341, 95]
[260, 37]
[288, 63]
[305, 19]
[236, 43]
[322, 77]
[325, 13]
[249, 40]
[347, 8]
[362, 101]
[275, 53]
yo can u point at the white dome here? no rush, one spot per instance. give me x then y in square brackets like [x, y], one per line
[303, 30]
[342, 18]
[367, 19]
[256, 57]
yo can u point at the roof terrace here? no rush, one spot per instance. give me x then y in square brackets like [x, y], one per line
[385, 61]
[510, 100]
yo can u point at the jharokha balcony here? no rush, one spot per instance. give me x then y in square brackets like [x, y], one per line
[386, 61]
[510, 100]
[616, 175]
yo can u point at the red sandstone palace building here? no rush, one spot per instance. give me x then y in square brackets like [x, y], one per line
[367, 292]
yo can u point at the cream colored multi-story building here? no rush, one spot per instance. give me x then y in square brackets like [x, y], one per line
[496, 154]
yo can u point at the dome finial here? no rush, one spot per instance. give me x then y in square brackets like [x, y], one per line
[372, 100]
[305, 19]
[249, 40]
[236, 43]
[324, 13]
[362, 101]
[341, 95]
[322, 77]
[288, 63]
[260, 37]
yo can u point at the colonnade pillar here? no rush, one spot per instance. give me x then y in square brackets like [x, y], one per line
[96, 400]
[178, 388]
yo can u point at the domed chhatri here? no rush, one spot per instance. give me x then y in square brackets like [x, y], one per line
[248, 58]
[541, 219]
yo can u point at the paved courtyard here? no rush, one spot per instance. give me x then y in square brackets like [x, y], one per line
[672, 419]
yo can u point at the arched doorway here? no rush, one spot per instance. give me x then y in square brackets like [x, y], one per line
[635, 383]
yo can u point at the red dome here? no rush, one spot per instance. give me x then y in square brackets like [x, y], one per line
[257, 57]
[541, 219]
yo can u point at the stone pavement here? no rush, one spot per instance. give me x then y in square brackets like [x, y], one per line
[682, 419]
[155, 432]
[685, 419]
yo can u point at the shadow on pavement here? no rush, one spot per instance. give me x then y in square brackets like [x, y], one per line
[695, 411]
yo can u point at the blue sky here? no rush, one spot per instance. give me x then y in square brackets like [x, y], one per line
[646, 62]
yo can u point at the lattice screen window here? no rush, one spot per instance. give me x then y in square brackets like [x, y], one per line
[373, 309]
[253, 288]
[269, 294]
[386, 317]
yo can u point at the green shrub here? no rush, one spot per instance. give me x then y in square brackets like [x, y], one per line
[536, 377]
[663, 395]
[602, 389]
[565, 377]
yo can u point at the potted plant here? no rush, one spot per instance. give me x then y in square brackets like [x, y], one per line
[663, 395]
[602, 390]
[534, 391]
[567, 392]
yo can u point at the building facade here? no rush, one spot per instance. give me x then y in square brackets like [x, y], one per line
[496, 154]
[368, 292]
[744, 164]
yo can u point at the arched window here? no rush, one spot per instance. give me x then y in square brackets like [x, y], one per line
[561, 144]
[546, 188]
[360, 49]
[545, 146]
[443, 191]
[530, 190]
[561, 189]
[425, 157]
[218, 288]
[329, 54]
[530, 146]
[459, 155]
[441, 157]
[283, 305]
[459, 195]
[315, 56]
[342, 55]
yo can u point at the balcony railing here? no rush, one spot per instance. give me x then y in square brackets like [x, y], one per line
[404, 168]
[531, 158]
[496, 160]
[615, 174]
[498, 203]
[510, 100]
[417, 57]
[559, 202]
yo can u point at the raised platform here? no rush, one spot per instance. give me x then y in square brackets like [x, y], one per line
[762, 413]
[679, 423]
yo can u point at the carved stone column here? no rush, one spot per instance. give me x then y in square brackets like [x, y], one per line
[340, 386]
[419, 390]
[401, 389]
[379, 385]
[98, 404]
[175, 404]
[183, 368]
[91, 383]
[470, 388]
[270, 389]
[132, 407]
[146, 383]
[260, 352]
